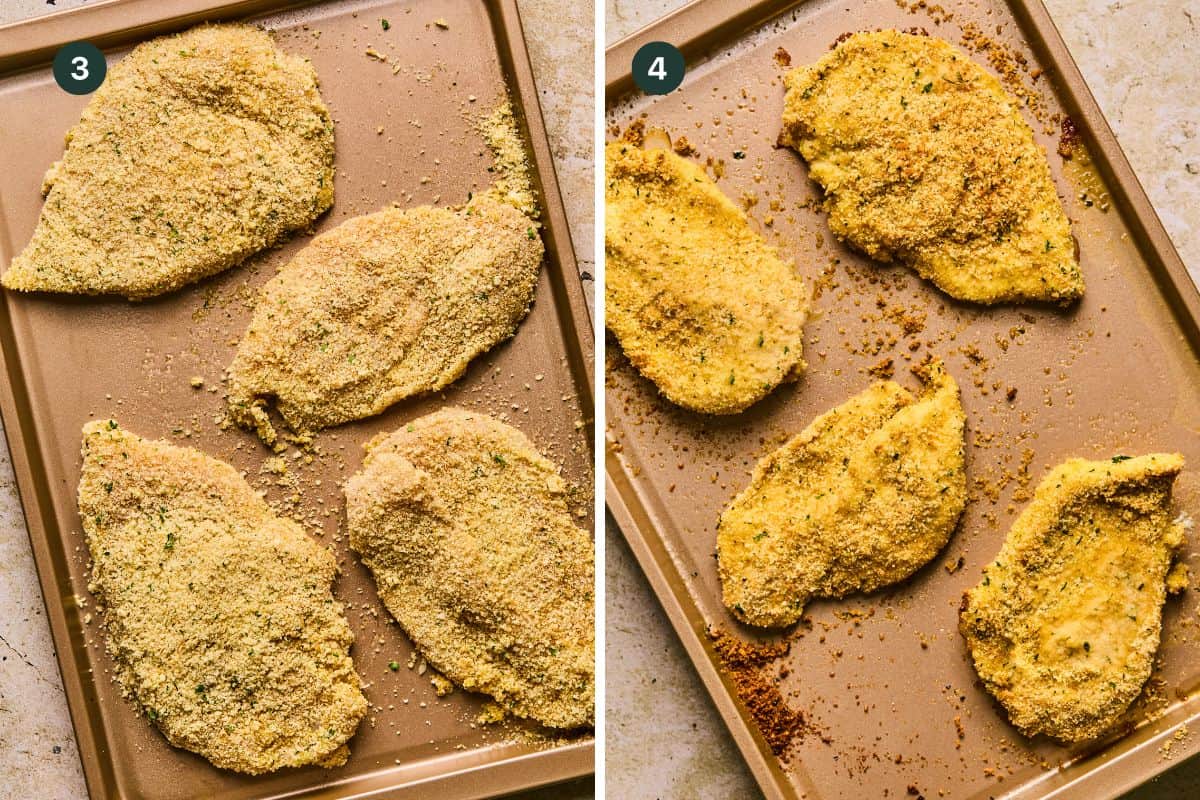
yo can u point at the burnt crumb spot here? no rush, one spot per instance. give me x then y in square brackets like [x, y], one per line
[1069, 139]
[748, 665]
[783, 58]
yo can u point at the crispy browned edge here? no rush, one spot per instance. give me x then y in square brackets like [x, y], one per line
[703, 25]
[121, 22]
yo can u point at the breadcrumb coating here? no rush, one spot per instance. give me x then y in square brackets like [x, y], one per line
[510, 173]
[1065, 624]
[926, 160]
[198, 150]
[466, 529]
[699, 301]
[864, 497]
[219, 615]
[380, 308]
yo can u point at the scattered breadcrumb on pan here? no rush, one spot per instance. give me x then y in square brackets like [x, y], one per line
[511, 174]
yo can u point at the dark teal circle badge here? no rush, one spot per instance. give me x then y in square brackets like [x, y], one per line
[658, 68]
[79, 68]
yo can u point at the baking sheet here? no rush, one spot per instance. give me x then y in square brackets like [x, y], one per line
[69, 360]
[885, 680]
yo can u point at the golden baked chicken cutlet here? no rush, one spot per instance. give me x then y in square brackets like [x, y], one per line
[926, 160]
[219, 614]
[862, 498]
[467, 531]
[701, 304]
[380, 308]
[1065, 624]
[197, 151]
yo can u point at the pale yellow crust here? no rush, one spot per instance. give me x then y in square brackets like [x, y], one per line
[862, 498]
[1065, 624]
[198, 150]
[219, 614]
[467, 531]
[380, 308]
[699, 301]
[926, 160]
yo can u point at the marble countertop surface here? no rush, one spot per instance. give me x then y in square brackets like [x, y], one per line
[38, 759]
[1142, 62]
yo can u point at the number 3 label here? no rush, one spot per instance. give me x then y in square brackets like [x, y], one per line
[79, 68]
[658, 68]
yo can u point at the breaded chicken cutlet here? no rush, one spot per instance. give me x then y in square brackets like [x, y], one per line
[380, 308]
[864, 497]
[219, 614]
[1065, 624]
[701, 304]
[198, 150]
[926, 160]
[467, 531]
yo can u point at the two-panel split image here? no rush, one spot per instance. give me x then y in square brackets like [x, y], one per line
[463, 399]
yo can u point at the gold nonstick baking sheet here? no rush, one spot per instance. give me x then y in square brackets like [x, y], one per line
[70, 360]
[885, 680]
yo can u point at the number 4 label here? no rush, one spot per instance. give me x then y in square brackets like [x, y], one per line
[658, 68]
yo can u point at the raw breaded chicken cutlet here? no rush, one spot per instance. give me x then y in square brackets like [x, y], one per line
[218, 614]
[380, 308]
[197, 151]
[467, 531]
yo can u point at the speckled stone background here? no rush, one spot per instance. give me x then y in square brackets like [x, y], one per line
[38, 759]
[1141, 59]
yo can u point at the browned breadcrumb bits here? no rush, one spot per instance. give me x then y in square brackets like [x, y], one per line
[936, 13]
[1011, 65]
[1069, 138]
[783, 58]
[884, 369]
[635, 134]
[779, 723]
[841, 38]
[683, 147]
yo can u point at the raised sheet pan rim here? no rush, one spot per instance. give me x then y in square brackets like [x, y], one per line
[110, 23]
[702, 25]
